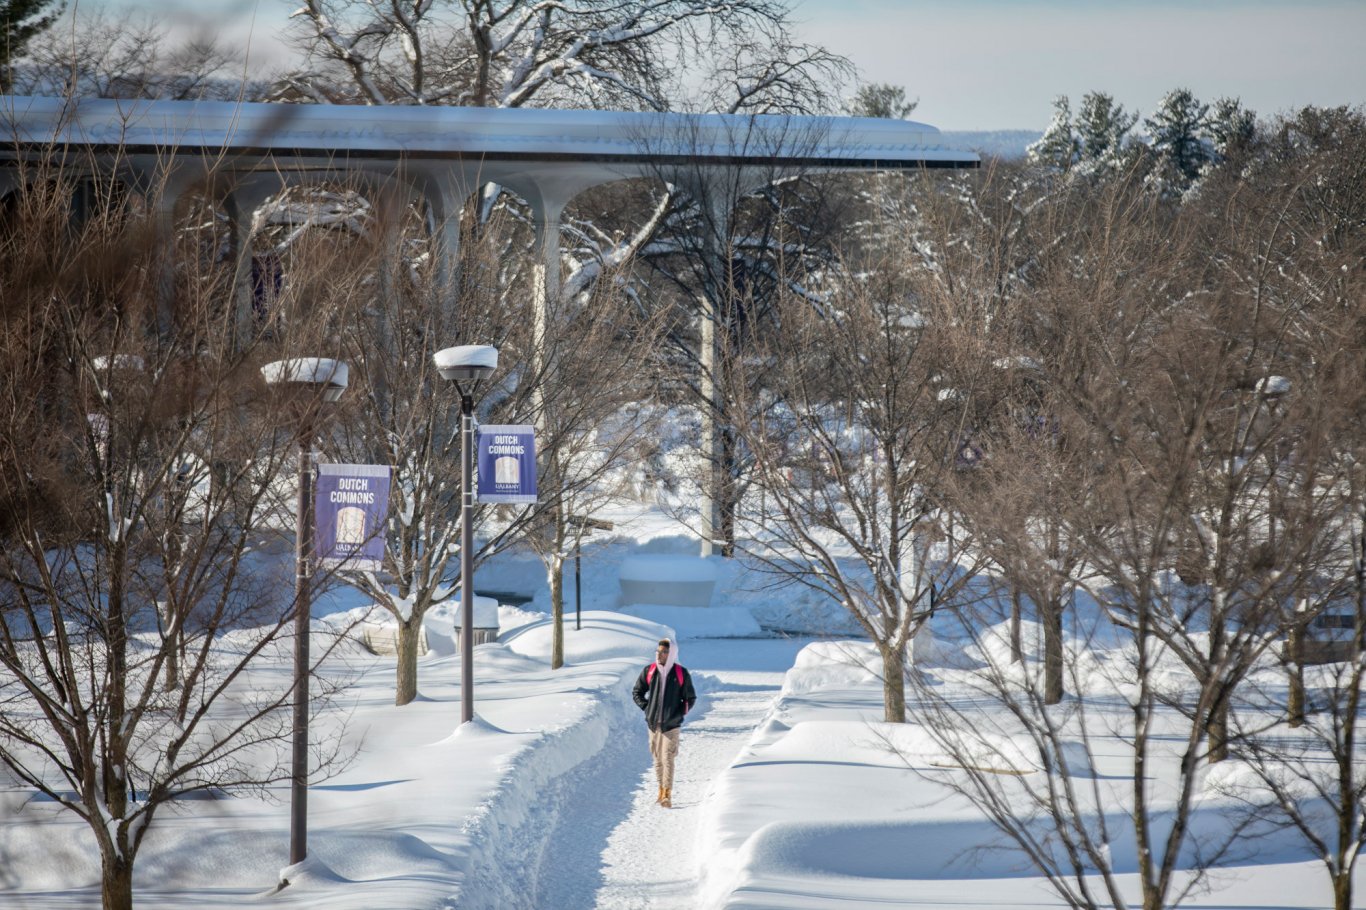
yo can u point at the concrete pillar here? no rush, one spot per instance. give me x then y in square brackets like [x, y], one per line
[716, 205]
[445, 195]
[241, 203]
[161, 186]
[546, 283]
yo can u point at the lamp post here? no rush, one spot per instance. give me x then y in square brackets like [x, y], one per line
[306, 385]
[465, 366]
[583, 525]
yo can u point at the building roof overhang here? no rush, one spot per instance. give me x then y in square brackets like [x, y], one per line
[416, 133]
[546, 156]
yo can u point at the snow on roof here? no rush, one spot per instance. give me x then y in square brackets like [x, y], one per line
[482, 133]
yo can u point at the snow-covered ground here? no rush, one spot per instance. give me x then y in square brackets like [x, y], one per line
[827, 807]
[789, 793]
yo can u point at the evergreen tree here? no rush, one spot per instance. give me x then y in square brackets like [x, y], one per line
[881, 99]
[1058, 148]
[1102, 127]
[1177, 130]
[1232, 128]
[20, 20]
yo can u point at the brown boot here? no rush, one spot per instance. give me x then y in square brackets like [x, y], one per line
[665, 800]
[660, 797]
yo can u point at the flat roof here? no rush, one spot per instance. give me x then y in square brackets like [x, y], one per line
[418, 133]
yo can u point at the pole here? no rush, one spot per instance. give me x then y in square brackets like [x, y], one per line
[578, 599]
[466, 558]
[298, 792]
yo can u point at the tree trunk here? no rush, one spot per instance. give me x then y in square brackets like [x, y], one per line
[557, 613]
[729, 504]
[116, 883]
[1218, 731]
[173, 645]
[114, 766]
[1342, 891]
[405, 683]
[1294, 706]
[1016, 644]
[893, 684]
[173, 667]
[1052, 651]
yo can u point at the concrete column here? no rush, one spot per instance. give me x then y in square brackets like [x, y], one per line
[445, 201]
[164, 210]
[161, 188]
[241, 204]
[546, 283]
[240, 295]
[716, 205]
[717, 192]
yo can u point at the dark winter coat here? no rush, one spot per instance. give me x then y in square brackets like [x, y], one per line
[664, 713]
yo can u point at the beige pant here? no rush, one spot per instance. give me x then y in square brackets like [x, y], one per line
[664, 746]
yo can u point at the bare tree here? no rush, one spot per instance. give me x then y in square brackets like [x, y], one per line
[1164, 358]
[729, 244]
[1303, 750]
[1013, 498]
[100, 56]
[138, 467]
[1306, 777]
[518, 53]
[594, 416]
[589, 416]
[852, 446]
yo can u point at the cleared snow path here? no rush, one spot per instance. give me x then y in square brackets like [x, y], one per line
[613, 848]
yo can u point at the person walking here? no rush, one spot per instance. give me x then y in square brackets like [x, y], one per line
[665, 693]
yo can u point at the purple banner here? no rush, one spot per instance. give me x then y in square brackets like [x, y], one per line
[351, 503]
[506, 460]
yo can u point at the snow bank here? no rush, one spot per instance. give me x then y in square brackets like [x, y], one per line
[873, 831]
[421, 817]
[882, 850]
[510, 618]
[834, 665]
[828, 665]
[612, 635]
[792, 608]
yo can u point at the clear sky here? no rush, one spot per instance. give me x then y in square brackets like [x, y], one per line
[998, 64]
